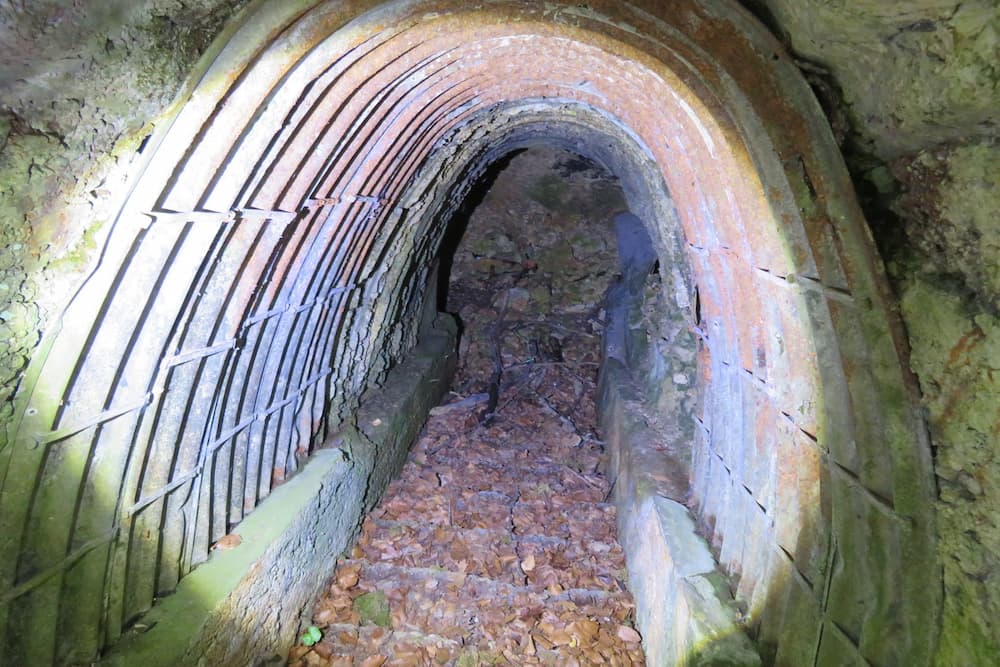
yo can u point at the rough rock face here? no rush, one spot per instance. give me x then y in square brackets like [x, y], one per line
[79, 82]
[948, 208]
[911, 74]
[955, 351]
[950, 287]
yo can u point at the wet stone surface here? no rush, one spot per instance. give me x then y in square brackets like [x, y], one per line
[496, 546]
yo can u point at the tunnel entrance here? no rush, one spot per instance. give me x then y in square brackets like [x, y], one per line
[497, 545]
[256, 280]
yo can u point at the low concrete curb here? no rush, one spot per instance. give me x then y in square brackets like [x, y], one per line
[245, 605]
[684, 609]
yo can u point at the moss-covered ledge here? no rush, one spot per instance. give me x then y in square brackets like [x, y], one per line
[245, 605]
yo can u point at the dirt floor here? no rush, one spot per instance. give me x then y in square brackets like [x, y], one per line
[496, 546]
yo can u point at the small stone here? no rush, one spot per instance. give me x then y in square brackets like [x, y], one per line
[515, 298]
[970, 483]
[681, 379]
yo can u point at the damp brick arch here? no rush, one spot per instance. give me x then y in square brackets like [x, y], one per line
[269, 263]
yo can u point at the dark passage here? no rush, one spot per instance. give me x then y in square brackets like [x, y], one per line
[497, 544]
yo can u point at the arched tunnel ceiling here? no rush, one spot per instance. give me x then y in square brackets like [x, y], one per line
[269, 260]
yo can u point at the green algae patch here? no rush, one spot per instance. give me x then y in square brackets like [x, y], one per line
[955, 349]
[373, 608]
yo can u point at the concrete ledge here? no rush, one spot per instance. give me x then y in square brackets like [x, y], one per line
[684, 609]
[244, 606]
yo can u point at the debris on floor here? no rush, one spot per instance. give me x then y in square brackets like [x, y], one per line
[496, 546]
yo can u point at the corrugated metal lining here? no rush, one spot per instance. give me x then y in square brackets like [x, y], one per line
[269, 265]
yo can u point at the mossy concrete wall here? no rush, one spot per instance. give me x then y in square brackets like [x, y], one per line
[912, 89]
[685, 609]
[243, 606]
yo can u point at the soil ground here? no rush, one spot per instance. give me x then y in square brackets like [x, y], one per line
[496, 546]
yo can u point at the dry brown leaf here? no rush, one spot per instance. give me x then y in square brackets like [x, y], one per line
[528, 563]
[297, 652]
[325, 616]
[374, 661]
[227, 542]
[528, 645]
[628, 635]
[348, 577]
[312, 659]
[587, 629]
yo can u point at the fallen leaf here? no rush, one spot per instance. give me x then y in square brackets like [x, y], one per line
[227, 542]
[586, 628]
[348, 577]
[528, 563]
[324, 616]
[628, 635]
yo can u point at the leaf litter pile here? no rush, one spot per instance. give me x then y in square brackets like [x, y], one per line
[496, 546]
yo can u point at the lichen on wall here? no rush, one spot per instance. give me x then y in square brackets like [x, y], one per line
[956, 353]
[949, 208]
[80, 86]
[950, 290]
[911, 73]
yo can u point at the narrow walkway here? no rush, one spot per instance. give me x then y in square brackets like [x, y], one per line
[497, 545]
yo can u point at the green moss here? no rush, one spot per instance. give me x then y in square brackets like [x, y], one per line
[954, 353]
[549, 191]
[374, 608]
[967, 638]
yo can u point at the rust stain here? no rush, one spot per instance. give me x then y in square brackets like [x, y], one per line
[965, 344]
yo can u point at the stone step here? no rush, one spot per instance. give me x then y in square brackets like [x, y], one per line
[574, 561]
[349, 645]
[447, 610]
